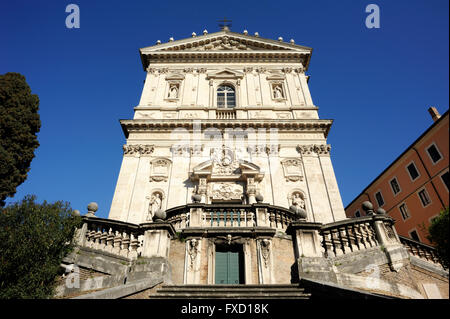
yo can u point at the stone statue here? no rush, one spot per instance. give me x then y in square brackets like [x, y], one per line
[298, 201]
[173, 92]
[278, 92]
[154, 205]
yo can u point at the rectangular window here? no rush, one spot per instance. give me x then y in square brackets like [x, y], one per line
[394, 185]
[445, 178]
[379, 199]
[425, 199]
[434, 153]
[404, 211]
[412, 170]
[357, 214]
[414, 235]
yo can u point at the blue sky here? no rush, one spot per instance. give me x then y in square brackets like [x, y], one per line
[375, 83]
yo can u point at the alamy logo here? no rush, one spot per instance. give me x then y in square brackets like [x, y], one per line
[73, 19]
[373, 19]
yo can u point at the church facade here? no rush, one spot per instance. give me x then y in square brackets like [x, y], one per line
[227, 183]
[227, 120]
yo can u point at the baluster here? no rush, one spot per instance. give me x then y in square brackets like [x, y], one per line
[231, 216]
[345, 240]
[250, 218]
[125, 244]
[362, 236]
[109, 241]
[103, 236]
[337, 249]
[97, 236]
[245, 217]
[117, 243]
[368, 235]
[218, 218]
[352, 237]
[328, 244]
[188, 219]
[271, 219]
[239, 217]
[225, 219]
[89, 237]
[277, 220]
[373, 235]
[134, 243]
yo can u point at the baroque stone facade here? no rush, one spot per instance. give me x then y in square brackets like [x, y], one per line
[226, 178]
[267, 119]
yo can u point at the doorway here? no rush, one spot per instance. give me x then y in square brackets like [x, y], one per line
[229, 265]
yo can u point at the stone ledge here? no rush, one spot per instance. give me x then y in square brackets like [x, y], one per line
[123, 290]
[418, 262]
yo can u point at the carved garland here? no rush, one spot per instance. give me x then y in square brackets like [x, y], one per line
[320, 149]
[265, 251]
[138, 149]
[192, 251]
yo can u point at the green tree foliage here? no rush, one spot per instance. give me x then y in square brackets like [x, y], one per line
[438, 234]
[34, 238]
[19, 123]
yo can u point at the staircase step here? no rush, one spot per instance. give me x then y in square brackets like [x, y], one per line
[289, 291]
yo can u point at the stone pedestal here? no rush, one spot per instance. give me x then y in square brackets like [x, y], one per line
[157, 237]
[388, 239]
[306, 239]
[195, 219]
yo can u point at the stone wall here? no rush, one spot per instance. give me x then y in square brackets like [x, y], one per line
[176, 259]
[283, 259]
[413, 277]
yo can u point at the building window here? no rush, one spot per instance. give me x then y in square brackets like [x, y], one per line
[434, 153]
[226, 96]
[394, 185]
[424, 198]
[357, 214]
[404, 211]
[412, 170]
[413, 234]
[379, 199]
[445, 178]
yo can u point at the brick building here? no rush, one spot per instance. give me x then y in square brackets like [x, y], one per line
[415, 187]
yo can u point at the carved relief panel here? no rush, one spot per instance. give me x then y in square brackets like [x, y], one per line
[160, 168]
[226, 191]
[292, 168]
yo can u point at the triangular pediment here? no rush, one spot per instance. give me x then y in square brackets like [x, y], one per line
[225, 41]
[225, 73]
[241, 168]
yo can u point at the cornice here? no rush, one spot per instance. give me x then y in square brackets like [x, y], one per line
[274, 108]
[225, 56]
[304, 125]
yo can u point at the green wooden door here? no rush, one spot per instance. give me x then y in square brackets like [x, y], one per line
[227, 267]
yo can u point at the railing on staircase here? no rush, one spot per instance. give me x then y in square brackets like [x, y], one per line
[111, 236]
[422, 251]
[348, 236]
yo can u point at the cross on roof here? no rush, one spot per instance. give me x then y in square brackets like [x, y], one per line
[224, 25]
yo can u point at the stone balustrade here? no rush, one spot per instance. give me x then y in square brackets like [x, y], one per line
[229, 215]
[111, 236]
[422, 251]
[348, 236]
[226, 114]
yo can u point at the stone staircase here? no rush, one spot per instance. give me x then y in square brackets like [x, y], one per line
[287, 291]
